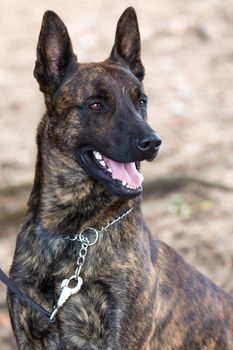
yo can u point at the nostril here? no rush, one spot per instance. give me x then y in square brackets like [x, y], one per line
[149, 143]
[158, 143]
[144, 146]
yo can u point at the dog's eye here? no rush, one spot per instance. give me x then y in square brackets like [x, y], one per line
[97, 106]
[142, 102]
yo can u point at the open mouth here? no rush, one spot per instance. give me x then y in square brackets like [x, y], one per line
[121, 179]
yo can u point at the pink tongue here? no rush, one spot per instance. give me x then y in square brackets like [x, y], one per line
[124, 172]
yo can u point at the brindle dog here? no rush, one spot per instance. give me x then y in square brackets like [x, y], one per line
[137, 294]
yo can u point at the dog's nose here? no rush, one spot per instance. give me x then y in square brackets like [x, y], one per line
[150, 143]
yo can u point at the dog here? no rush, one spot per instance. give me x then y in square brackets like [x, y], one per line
[84, 251]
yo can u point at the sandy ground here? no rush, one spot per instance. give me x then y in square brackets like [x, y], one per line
[188, 54]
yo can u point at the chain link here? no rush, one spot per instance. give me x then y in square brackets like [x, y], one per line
[82, 256]
[86, 240]
[115, 220]
[86, 243]
[77, 237]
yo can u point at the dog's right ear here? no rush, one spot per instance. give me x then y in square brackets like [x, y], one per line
[55, 55]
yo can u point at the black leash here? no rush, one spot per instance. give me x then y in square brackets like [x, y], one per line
[21, 295]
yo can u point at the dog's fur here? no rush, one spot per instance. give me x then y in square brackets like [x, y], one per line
[138, 294]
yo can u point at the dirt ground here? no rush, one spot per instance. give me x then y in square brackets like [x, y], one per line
[188, 54]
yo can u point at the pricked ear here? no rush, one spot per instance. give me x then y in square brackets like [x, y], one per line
[55, 55]
[127, 42]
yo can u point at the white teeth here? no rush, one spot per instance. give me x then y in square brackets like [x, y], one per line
[97, 155]
[124, 183]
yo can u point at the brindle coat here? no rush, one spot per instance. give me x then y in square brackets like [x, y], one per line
[137, 292]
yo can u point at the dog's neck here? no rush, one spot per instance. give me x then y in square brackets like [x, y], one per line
[64, 198]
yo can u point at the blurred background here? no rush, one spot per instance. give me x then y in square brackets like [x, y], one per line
[187, 49]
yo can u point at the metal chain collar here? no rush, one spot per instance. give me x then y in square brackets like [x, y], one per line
[88, 237]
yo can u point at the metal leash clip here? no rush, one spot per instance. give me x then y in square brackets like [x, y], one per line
[66, 292]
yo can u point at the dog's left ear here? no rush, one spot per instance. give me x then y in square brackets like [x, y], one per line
[127, 44]
[55, 57]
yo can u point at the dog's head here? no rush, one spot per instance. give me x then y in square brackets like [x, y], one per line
[97, 111]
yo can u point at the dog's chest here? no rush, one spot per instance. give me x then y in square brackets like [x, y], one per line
[102, 317]
[87, 318]
[108, 312]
